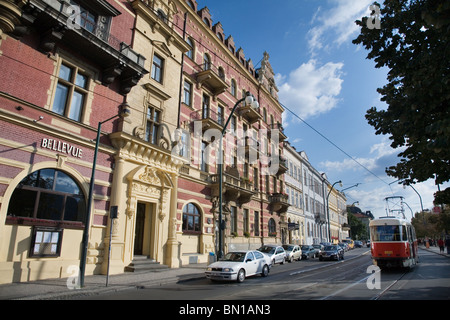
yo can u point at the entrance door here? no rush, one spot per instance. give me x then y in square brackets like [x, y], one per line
[139, 229]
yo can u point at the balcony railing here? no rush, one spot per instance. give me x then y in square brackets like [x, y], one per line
[58, 23]
[209, 118]
[281, 135]
[279, 202]
[234, 188]
[211, 76]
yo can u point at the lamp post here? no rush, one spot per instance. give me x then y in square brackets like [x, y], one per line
[249, 100]
[328, 208]
[124, 112]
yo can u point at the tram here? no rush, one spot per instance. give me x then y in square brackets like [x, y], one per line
[393, 243]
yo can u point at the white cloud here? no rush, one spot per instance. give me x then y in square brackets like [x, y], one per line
[383, 155]
[311, 89]
[336, 25]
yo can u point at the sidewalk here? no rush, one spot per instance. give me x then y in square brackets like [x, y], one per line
[435, 250]
[57, 289]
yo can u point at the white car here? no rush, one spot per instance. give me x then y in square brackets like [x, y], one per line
[238, 265]
[275, 252]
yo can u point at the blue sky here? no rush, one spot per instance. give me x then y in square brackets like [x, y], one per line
[328, 82]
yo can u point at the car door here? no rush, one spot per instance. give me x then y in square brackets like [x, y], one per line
[279, 255]
[251, 264]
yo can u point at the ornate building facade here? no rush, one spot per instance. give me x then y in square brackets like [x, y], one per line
[216, 75]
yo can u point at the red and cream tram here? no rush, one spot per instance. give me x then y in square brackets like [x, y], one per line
[393, 243]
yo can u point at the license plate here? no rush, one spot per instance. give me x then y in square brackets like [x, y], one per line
[388, 252]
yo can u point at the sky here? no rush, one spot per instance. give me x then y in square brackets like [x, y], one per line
[328, 83]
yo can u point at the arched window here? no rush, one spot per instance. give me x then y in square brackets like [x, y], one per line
[221, 73]
[233, 88]
[206, 62]
[190, 53]
[191, 219]
[48, 194]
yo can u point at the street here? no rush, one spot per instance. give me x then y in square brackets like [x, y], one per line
[348, 279]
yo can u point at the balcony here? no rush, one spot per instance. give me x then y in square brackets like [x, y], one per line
[279, 202]
[249, 113]
[282, 165]
[233, 188]
[209, 119]
[55, 22]
[277, 128]
[211, 77]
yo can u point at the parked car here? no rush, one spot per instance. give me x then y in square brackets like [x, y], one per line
[308, 252]
[318, 248]
[238, 265]
[333, 252]
[344, 246]
[368, 243]
[276, 253]
[293, 252]
[350, 243]
[358, 244]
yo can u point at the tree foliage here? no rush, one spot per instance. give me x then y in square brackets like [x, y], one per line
[413, 43]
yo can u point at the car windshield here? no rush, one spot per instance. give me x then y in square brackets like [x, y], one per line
[234, 256]
[267, 249]
[288, 248]
[305, 247]
[330, 248]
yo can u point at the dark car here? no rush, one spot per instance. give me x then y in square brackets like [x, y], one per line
[308, 252]
[333, 252]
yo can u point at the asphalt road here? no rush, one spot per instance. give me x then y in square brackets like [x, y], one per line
[350, 279]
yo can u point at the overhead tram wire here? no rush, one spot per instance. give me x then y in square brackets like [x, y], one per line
[335, 145]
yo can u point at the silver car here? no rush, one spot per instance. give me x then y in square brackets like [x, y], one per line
[275, 252]
[293, 252]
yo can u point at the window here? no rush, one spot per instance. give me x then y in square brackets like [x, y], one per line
[256, 223]
[205, 107]
[157, 69]
[48, 194]
[153, 124]
[220, 115]
[87, 19]
[246, 220]
[272, 228]
[71, 92]
[233, 88]
[190, 53]
[191, 219]
[206, 62]
[188, 94]
[233, 217]
[204, 157]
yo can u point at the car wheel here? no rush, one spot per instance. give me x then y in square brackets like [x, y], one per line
[273, 262]
[241, 276]
[265, 271]
[283, 260]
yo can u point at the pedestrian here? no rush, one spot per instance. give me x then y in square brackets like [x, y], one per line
[441, 245]
[447, 244]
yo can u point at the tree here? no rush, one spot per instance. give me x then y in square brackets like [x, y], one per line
[413, 43]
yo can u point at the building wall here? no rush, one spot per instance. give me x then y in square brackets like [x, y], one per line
[195, 184]
[34, 137]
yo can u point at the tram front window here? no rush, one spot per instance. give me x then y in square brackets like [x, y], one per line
[388, 233]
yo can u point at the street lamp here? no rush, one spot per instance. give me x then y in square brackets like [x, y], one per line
[124, 112]
[328, 208]
[249, 100]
